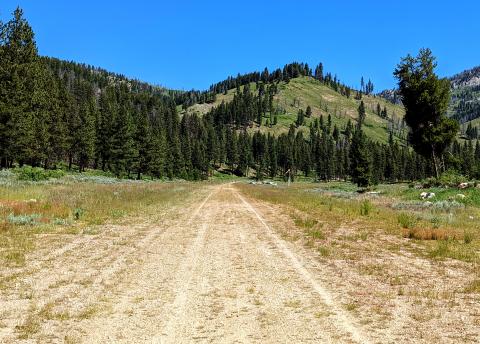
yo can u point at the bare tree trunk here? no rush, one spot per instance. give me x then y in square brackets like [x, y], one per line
[435, 163]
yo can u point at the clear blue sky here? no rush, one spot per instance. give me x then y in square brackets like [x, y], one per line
[192, 44]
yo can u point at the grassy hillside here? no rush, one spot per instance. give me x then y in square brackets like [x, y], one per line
[304, 91]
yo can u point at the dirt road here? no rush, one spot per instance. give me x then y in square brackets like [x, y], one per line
[210, 270]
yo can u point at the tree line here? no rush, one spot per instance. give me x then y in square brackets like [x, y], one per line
[61, 114]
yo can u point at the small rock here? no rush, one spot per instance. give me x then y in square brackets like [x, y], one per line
[461, 196]
[427, 195]
[32, 200]
[463, 185]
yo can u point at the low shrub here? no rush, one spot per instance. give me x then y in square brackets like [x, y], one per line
[407, 220]
[442, 250]
[27, 219]
[304, 222]
[447, 205]
[316, 234]
[450, 178]
[35, 174]
[324, 251]
[78, 213]
[429, 234]
[365, 207]
[467, 237]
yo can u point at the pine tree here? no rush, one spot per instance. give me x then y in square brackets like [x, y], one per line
[308, 112]
[105, 127]
[157, 151]
[319, 72]
[19, 70]
[125, 152]
[231, 148]
[384, 112]
[300, 118]
[85, 137]
[50, 124]
[360, 164]
[425, 98]
[361, 114]
[143, 141]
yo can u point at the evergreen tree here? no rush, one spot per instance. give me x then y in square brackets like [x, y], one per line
[125, 152]
[426, 99]
[300, 118]
[361, 114]
[105, 127]
[319, 72]
[19, 73]
[143, 142]
[308, 112]
[231, 148]
[360, 164]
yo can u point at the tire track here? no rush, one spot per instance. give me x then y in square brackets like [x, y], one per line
[343, 320]
[184, 278]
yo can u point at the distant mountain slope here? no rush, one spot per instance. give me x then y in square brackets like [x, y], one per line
[465, 105]
[391, 95]
[304, 91]
[467, 78]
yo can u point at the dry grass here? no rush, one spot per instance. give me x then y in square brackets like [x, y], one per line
[29, 327]
[322, 216]
[432, 234]
[30, 209]
[292, 303]
[474, 286]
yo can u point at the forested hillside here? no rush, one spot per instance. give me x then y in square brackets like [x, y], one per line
[307, 91]
[290, 121]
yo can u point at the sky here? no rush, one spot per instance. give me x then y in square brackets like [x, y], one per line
[185, 44]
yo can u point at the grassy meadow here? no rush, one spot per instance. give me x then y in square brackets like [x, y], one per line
[73, 204]
[444, 227]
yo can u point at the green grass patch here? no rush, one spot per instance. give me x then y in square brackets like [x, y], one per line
[316, 234]
[407, 220]
[366, 207]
